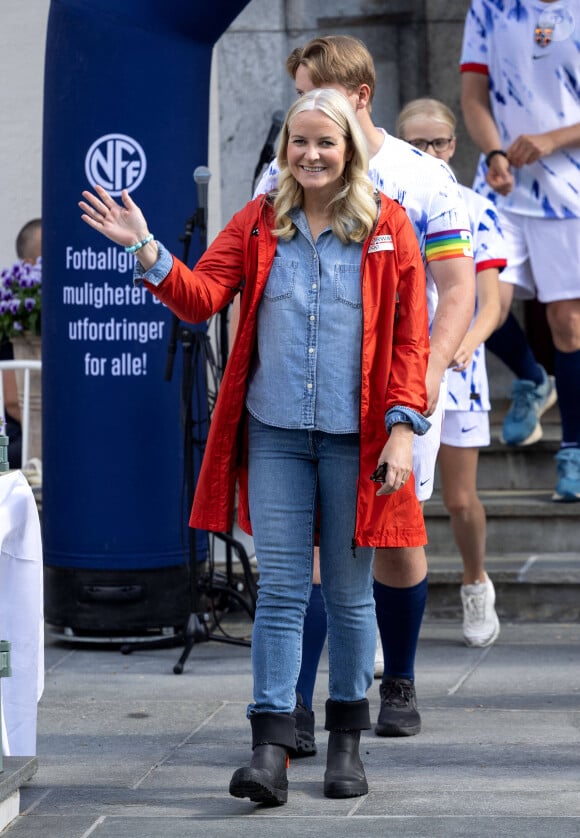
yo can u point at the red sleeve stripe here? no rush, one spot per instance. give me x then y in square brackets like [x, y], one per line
[472, 67]
[490, 263]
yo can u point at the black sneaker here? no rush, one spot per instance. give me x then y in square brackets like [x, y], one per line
[305, 744]
[398, 715]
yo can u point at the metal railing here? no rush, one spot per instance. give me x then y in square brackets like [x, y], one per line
[27, 366]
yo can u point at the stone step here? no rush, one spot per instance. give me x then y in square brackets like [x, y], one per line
[531, 466]
[520, 523]
[17, 771]
[551, 420]
[505, 467]
[517, 521]
[529, 586]
[539, 585]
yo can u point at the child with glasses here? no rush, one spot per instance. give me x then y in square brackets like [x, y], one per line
[429, 126]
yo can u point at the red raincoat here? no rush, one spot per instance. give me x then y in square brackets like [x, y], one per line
[395, 350]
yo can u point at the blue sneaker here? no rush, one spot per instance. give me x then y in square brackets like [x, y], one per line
[568, 485]
[522, 426]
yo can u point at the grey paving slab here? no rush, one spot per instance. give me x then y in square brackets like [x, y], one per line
[51, 826]
[265, 826]
[127, 748]
[262, 824]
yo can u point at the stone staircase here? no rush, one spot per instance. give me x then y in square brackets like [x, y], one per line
[533, 544]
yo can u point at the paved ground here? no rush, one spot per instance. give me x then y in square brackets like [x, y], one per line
[126, 748]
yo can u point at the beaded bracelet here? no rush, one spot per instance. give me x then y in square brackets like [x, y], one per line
[488, 157]
[135, 247]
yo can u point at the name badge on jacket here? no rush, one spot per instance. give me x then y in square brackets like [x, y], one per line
[381, 243]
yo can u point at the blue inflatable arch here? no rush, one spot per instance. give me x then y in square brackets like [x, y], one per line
[126, 105]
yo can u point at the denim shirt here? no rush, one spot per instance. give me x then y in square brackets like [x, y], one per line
[306, 370]
[344, 283]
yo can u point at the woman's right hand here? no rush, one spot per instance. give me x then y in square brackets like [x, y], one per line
[124, 224]
[397, 453]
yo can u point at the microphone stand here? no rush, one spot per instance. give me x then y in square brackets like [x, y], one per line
[220, 590]
[266, 156]
[267, 152]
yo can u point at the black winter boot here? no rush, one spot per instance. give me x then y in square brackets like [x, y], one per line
[345, 774]
[265, 780]
[305, 741]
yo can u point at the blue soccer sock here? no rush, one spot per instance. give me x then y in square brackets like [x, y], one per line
[511, 346]
[399, 616]
[567, 372]
[315, 627]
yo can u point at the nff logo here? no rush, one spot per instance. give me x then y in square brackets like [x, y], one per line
[115, 162]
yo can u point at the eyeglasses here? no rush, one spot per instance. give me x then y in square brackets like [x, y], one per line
[439, 143]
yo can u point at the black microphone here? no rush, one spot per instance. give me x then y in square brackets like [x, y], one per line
[201, 176]
[267, 152]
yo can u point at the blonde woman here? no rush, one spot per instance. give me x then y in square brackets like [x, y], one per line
[429, 126]
[325, 381]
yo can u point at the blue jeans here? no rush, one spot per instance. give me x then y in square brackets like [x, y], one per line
[292, 473]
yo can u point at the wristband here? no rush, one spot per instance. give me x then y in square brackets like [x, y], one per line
[491, 155]
[135, 247]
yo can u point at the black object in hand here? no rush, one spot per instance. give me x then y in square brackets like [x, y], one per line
[380, 473]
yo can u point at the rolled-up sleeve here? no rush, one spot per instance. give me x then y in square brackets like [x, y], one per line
[156, 274]
[407, 416]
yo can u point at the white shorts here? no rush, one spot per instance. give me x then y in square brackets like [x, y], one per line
[426, 448]
[543, 257]
[466, 428]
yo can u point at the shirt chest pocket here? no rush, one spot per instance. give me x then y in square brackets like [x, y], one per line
[347, 288]
[281, 280]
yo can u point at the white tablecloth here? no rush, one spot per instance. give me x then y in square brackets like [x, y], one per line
[21, 613]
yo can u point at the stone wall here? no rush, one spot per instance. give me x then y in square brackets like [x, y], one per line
[415, 44]
[22, 39]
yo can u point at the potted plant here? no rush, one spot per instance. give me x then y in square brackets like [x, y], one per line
[20, 323]
[20, 300]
